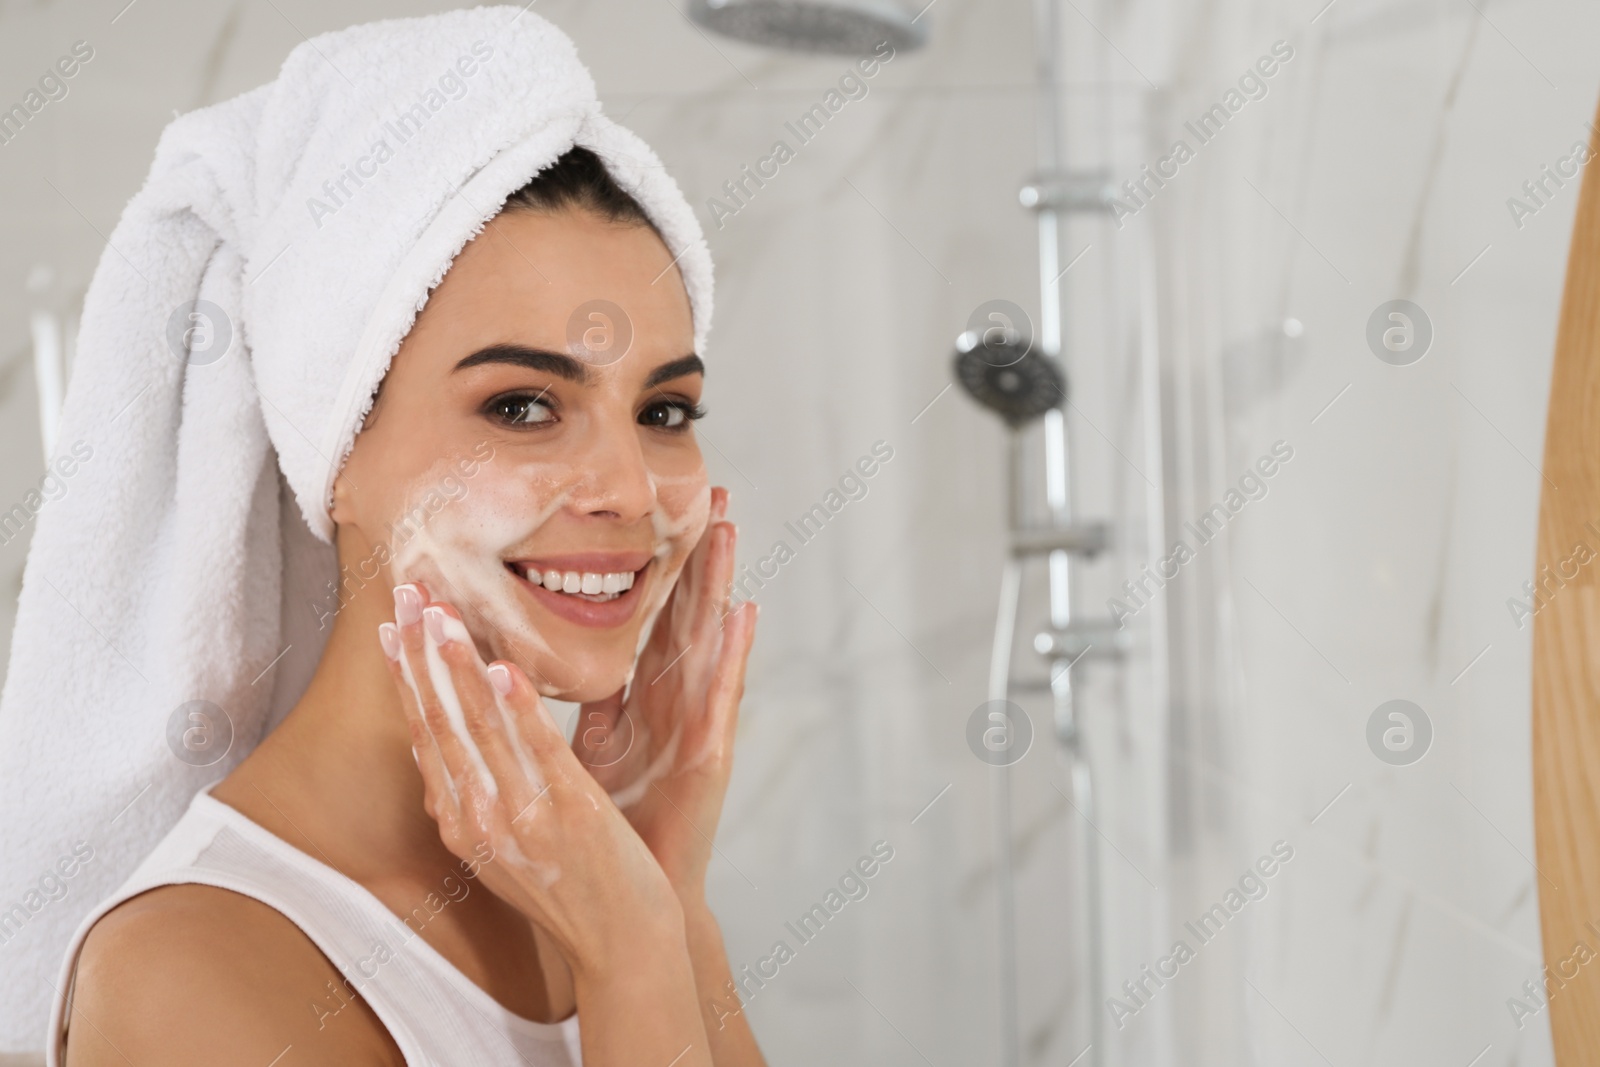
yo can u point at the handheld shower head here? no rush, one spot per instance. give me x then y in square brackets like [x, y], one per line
[838, 27]
[1000, 370]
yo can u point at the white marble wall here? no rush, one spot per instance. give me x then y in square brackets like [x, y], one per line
[1377, 567]
[1378, 167]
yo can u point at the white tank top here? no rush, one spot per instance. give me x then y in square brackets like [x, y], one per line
[434, 1012]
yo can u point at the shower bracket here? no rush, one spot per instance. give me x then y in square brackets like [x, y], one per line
[1069, 191]
[1101, 637]
[1087, 539]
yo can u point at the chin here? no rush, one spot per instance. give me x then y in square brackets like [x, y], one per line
[579, 670]
[595, 687]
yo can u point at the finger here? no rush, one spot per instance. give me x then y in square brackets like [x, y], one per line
[706, 607]
[474, 708]
[695, 570]
[717, 583]
[719, 579]
[687, 592]
[537, 731]
[410, 601]
[439, 791]
[699, 598]
[727, 684]
[719, 659]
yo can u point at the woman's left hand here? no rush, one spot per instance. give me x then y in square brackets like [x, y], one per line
[663, 745]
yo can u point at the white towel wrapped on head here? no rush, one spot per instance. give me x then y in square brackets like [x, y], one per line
[246, 308]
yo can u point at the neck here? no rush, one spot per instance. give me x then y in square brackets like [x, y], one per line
[337, 776]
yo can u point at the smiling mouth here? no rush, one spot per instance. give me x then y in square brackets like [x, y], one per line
[596, 587]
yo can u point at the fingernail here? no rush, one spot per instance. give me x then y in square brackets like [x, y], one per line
[416, 757]
[407, 604]
[434, 617]
[500, 678]
[389, 637]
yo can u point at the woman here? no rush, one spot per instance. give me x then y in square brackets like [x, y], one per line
[414, 865]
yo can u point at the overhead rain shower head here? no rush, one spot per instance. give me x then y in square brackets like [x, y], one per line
[840, 27]
[1000, 370]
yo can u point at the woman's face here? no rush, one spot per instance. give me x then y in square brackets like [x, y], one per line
[530, 457]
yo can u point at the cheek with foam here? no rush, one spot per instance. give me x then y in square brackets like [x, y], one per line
[681, 522]
[457, 552]
[678, 520]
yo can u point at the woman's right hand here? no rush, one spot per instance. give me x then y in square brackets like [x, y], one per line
[497, 769]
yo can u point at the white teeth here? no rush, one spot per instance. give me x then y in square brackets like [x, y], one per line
[585, 583]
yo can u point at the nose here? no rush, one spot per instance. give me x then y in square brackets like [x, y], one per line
[614, 482]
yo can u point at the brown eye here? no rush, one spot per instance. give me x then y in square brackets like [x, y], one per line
[671, 415]
[520, 409]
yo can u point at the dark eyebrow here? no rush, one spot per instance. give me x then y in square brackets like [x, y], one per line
[557, 363]
[570, 368]
[689, 364]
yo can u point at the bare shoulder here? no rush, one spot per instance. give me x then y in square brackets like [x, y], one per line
[193, 974]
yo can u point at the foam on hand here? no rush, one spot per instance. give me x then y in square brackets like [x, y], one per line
[416, 694]
[444, 687]
[450, 699]
[525, 760]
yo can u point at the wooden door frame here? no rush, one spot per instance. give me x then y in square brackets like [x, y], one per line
[1566, 658]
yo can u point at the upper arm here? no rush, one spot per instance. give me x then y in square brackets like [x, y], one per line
[191, 975]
